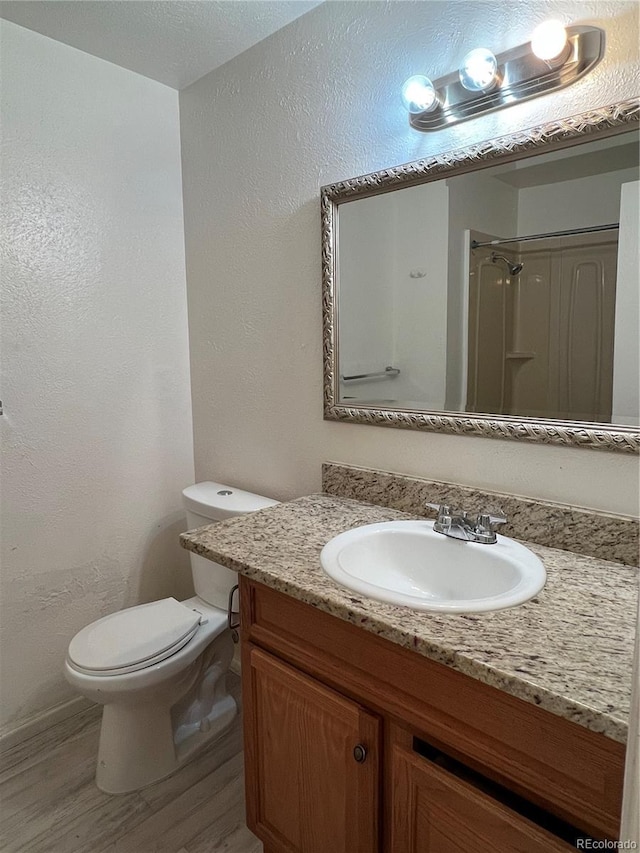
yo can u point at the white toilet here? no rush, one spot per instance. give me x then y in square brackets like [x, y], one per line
[160, 669]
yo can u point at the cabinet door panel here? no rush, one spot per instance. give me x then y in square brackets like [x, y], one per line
[435, 812]
[305, 790]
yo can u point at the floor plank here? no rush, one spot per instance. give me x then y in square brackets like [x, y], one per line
[49, 802]
[33, 750]
[213, 806]
[80, 820]
[63, 771]
[239, 840]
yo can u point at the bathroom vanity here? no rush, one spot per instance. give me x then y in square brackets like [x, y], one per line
[374, 728]
[347, 734]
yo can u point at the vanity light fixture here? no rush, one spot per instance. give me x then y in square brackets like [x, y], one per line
[554, 58]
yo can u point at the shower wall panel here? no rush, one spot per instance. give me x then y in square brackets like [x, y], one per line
[541, 341]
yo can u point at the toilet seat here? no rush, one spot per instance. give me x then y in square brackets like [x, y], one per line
[133, 639]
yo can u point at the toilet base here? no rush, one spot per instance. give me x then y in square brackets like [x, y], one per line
[137, 746]
[143, 742]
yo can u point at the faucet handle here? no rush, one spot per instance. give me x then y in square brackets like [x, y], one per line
[442, 509]
[486, 521]
[485, 527]
[442, 524]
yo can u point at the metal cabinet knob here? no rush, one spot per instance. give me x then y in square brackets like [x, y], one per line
[360, 753]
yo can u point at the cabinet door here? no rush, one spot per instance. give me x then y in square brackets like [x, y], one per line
[435, 812]
[311, 760]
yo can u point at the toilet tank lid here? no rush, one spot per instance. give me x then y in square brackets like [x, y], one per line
[217, 501]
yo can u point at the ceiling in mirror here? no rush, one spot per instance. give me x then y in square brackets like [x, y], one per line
[492, 291]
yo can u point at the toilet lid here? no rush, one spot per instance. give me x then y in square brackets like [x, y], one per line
[135, 637]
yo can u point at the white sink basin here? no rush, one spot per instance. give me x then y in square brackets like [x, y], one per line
[408, 563]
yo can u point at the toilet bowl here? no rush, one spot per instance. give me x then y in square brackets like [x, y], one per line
[160, 668]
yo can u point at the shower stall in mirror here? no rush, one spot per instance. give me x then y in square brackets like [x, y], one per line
[541, 326]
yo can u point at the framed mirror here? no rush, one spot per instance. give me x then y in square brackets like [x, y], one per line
[493, 290]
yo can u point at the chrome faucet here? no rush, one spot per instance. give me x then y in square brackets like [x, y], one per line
[460, 525]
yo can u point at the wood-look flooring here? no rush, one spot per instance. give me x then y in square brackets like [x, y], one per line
[49, 802]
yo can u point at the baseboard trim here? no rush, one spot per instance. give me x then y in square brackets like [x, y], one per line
[39, 723]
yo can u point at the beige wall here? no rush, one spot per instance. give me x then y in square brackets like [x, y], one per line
[315, 103]
[96, 435]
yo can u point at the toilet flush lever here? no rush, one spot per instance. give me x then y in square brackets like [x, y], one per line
[232, 615]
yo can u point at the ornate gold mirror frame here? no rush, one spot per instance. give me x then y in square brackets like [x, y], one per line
[599, 123]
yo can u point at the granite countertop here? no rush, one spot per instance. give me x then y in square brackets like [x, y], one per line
[568, 650]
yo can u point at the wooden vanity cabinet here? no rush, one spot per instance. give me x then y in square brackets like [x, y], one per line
[312, 761]
[355, 744]
[434, 810]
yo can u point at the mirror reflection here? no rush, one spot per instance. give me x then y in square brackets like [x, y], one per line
[509, 290]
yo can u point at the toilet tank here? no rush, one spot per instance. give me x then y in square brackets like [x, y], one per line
[207, 503]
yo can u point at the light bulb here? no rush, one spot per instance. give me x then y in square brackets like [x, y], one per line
[549, 40]
[419, 94]
[478, 72]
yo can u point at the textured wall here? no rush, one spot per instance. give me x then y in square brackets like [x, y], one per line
[97, 427]
[315, 103]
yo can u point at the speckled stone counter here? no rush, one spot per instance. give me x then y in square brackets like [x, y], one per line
[568, 650]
